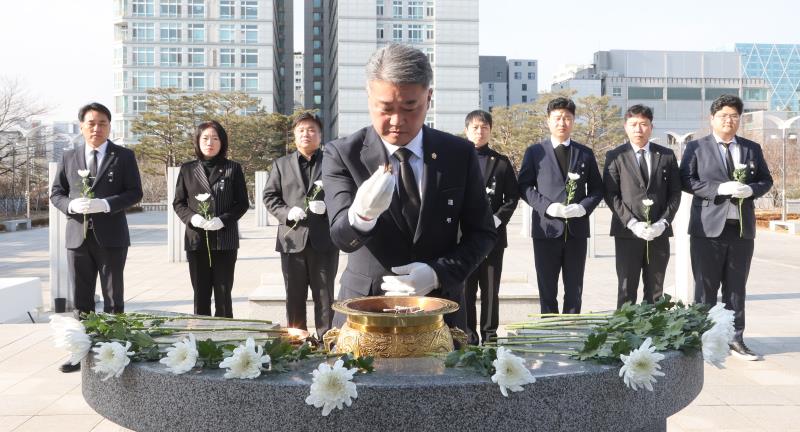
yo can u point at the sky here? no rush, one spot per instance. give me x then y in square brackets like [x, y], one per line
[61, 50]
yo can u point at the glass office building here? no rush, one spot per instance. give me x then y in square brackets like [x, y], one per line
[779, 65]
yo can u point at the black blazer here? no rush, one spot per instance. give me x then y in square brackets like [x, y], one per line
[702, 171]
[453, 195]
[117, 182]
[228, 191]
[284, 190]
[541, 184]
[502, 190]
[625, 188]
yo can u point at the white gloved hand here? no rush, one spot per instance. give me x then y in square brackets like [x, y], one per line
[96, 205]
[497, 221]
[574, 210]
[639, 229]
[198, 221]
[412, 279]
[648, 234]
[79, 205]
[214, 224]
[728, 188]
[374, 196]
[556, 210]
[317, 207]
[658, 228]
[296, 214]
[743, 191]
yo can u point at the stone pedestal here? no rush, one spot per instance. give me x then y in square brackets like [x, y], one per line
[175, 227]
[683, 288]
[61, 285]
[262, 217]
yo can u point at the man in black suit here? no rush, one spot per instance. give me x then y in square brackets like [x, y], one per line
[294, 195]
[401, 228]
[503, 193]
[722, 223]
[636, 171]
[97, 236]
[560, 225]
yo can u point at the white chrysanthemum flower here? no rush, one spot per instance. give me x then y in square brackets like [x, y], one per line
[182, 356]
[318, 183]
[202, 197]
[573, 176]
[511, 373]
[111, 358]
[489, 191]
[739, 166]
[83, 173]
[70, 334]
[641, 367]
[246, 361]
[647, 202]
[332, 387]
[722, 318]
[715, 346]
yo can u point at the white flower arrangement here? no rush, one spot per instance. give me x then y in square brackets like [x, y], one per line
[332, 387]
[573, 176]
[640, 368]
[511, 373]
[70, 334]
[111, 358]
[182, 356]
[246, 361]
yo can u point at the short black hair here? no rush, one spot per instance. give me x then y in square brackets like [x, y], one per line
[223, 138]
[307, 116]
[732, 101]
[94, 106]
[639, 110]
[561, 103]
[480, 115]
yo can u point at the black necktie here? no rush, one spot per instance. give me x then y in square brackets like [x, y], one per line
[728, 159]
[93, 165]
[407, 189]
[561, 155]
[643, 168]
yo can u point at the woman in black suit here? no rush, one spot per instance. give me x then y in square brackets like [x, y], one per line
[223, 181]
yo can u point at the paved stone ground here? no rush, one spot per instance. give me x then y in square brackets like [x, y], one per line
[765, 396]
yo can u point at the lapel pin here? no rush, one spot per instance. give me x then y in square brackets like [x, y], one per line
[449, 202]
[433, 155]
[492, 158]
[449, 220]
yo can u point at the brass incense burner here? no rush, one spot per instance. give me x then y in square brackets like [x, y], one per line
[394, 327]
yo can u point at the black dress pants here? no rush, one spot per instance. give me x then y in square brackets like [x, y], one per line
[216, 278]
[557, 256]
[309, 269]
[487, 276]
[91, 259]
[632, 263]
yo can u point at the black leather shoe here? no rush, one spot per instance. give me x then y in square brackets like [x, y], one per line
[69, 367]
[740, 350]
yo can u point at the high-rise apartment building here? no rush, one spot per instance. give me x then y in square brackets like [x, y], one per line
[507, 82]
[199, 46]
[340, 36]
[299, 88]
[779, 66]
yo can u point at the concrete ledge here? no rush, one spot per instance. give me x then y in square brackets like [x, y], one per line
[19, 296]
[792, 226]
[16, 224]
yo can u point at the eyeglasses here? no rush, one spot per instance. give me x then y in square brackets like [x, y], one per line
[731, 117]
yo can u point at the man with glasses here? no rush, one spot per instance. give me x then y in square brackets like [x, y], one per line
[725, 173]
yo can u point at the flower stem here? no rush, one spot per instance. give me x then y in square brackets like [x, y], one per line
[542, 351]
[196, 317]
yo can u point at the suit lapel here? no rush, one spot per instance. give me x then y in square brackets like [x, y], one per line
[744, 151]
[655, 164]
[216, 174]
[713, 146]
[430, 178]
[200, 176]
[108, 159]
[80, 157]
[550, 154]
[632, 166]
[373, 156]
[574, 156]
[491, 164]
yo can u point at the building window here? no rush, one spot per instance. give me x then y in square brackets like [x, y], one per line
[317, 3]
[524, 87]
[531, 63]
[317, 44]
[249, 33]
[197, 8]
[517, 75]
[713, 93]
[143, 32]
[142, 8]
[226, 32]
[317, 100]
[170, 57]
[500, 75]
[316, 31]
[645, 93]
[317, 16]
[755, 94]
[120, 80]
[429, 54]
[143, 80]
[531, 75]
[171, 79]
[170, 32]
[317, 71]
[397, 8]
[681, 93]
[197, 81]
[227, 81]
[429, 32]
[524, 98]
[378, 32]
[196, 56]
[249, 81]
[227, 57]
[397, 32]
[415, 9]
[120, 104]
[226, 9]
[317, 85]
[196, 33]
[139, 103]
[379, 7]
[249, 58]
[317, 58]
[429, 9]
[144, 56]
[119, 56]
[616, 91]
[249, 9]
[516, 63]
[415, 33]
[170, 8]
[491, 86]
[490, 98]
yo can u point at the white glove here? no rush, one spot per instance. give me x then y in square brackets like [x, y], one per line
[639, 229]
[214, 224]
[497, 221]
[198, 221]
[574, 210]
[556, 210]
[374, 196]
[96, 205]
[317, 207]
[728, 188]
[743, 191]
[412, 279]
[296, 214]
[658, 228]
[79, 205]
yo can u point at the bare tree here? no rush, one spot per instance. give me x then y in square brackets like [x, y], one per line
[17, 108]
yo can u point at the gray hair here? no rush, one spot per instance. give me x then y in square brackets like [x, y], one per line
[400, 64]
